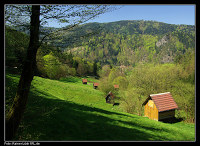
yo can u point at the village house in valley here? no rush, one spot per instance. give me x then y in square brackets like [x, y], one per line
[160, 106]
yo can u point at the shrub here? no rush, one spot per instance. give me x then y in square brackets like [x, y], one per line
[72, 71]
[49, 66]
[114, 73]
[154, 79]
[105, 86]
[121, 81]
[131, 101]
[184, 95]
[104, 71]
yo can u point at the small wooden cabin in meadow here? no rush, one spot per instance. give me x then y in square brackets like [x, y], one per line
[160, 106]
[84, 81]
[110, 97]
[116, 86]
[95, 85]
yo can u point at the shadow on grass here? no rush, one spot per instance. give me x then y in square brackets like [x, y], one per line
[172, 120]
[116, 104]
[10, 90]
[48, 118]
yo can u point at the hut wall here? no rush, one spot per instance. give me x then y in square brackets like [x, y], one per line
[151, 111]
[166, 114]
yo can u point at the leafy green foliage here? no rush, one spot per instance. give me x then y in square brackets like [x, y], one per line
[53, 63]
[131, 42]
[187, 61]
[106, 86]
[121, 81]
[16, 44]
[148, 79]
[52, 66]
[104, 71]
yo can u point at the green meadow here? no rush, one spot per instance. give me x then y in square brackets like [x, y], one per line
[67, 110]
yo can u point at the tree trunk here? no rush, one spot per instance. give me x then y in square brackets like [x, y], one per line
[19, 104]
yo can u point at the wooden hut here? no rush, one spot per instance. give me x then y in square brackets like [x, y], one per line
[116, 86]
[95, 85]
[84, 81]
[110, 98]
[160, 106]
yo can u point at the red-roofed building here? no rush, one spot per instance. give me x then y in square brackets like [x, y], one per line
[116, 86]
[95, 85]
[160, 106]
[84, 81]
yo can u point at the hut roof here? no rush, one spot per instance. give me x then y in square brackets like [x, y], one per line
[96, 84]
[116, 86]
[163, 101]
[84, 80]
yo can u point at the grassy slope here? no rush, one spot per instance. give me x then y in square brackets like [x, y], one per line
[68, 110]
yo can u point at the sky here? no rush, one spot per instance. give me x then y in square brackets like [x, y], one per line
[172, 14]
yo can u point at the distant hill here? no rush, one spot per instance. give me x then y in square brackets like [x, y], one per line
[125, 42]
[129, 42]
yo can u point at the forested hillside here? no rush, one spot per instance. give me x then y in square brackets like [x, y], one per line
[85, 49]
[130, 42]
